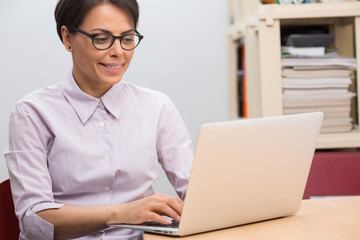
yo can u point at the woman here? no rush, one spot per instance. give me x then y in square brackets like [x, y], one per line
[83, 153]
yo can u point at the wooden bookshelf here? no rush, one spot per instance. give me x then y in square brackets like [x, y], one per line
[342, 17]
[344, 21]
[243, 29]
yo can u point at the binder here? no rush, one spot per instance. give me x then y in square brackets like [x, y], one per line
[334, 174]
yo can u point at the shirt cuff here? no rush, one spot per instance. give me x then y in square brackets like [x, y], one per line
[37, 228]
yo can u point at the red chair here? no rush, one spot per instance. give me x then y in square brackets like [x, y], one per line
[334, 174]
[9, 225]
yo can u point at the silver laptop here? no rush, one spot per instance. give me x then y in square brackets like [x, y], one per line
[246, 171]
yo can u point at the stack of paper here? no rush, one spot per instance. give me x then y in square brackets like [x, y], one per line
[346, 62]
[320, 84]
[303, 51]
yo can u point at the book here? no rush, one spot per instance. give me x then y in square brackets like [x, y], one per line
[314, 92]
[304, 83]
[336, 121]
[318, 67]
[316, 72]
[303, 51]
[337, 129]
[318, 61]
[310, 102]
[329, 111]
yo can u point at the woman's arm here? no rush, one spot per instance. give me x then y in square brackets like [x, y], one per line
[75, 221]
[174, 148]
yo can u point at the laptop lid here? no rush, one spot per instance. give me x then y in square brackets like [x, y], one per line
[248, 170]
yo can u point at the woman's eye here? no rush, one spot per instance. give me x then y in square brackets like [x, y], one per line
[128, 40]
[102, 39]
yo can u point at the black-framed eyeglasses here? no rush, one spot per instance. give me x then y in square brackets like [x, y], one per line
[103, 41]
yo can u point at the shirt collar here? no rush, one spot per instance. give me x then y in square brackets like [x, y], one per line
[85, 105]
[111, 99]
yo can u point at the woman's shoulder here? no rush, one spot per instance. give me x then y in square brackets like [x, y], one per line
[40, 97]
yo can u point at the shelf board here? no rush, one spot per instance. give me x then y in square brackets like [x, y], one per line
[269, 12]
[339, 140]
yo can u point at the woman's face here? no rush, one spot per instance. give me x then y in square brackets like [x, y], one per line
[95, 71]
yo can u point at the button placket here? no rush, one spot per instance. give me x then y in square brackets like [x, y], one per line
[102, 118]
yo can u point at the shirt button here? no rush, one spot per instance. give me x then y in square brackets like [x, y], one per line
[101, 124]
[99, 234]
[107, 158]
[106, 188]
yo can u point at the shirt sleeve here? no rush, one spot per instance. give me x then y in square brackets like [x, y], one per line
[175, 148]
[26, 158]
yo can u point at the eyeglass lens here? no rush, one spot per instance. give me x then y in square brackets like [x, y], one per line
[104, 41]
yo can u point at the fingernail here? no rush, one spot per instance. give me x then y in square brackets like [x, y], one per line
[178, 218]
[168, 221]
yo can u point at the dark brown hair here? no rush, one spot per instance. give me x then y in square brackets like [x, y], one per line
[71, 13]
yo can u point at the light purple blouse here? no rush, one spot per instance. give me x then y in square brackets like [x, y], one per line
[68, 148]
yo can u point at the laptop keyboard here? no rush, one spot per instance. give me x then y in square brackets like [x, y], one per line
[174, 224]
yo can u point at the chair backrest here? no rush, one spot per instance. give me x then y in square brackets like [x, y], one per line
[334, 174]
[9, 225]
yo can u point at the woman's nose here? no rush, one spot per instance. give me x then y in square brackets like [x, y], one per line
[116, 48]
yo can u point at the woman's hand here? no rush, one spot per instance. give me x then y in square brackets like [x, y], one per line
[75, 221]
[150, 208]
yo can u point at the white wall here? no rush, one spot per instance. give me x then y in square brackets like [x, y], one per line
[183, 54]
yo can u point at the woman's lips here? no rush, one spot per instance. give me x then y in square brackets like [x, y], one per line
[111, 68]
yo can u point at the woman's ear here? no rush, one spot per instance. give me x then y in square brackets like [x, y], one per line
[66, 37]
